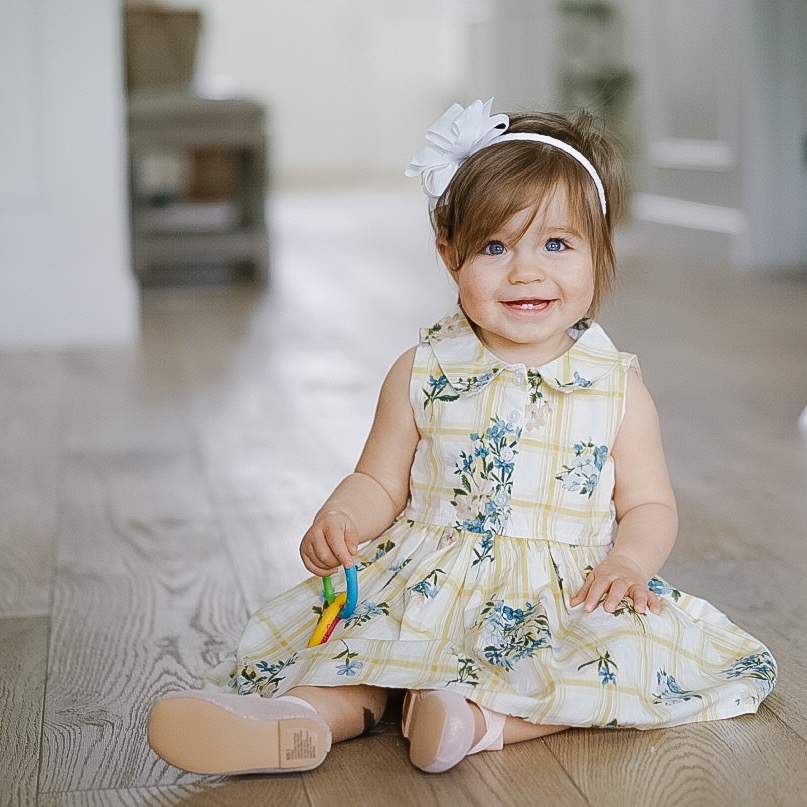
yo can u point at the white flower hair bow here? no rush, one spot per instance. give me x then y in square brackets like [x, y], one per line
[461, 131]
[456, 135]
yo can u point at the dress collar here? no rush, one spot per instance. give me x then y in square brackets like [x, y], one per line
[469, 366]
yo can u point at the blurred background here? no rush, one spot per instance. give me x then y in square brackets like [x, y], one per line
[136, 136]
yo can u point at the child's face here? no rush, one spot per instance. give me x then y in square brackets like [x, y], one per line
[524, 294]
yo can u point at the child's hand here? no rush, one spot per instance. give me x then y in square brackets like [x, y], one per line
[615, 578]
[330, 543]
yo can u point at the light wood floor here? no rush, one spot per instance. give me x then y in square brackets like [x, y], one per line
[150, 498]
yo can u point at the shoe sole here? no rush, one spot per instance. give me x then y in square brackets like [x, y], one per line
[199, 736]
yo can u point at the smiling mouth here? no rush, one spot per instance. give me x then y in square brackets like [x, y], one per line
[527, 305]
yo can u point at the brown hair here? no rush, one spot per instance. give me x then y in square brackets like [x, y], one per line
[498, 181]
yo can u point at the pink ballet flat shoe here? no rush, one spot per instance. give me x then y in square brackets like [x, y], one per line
[440, 727]
[223, 733]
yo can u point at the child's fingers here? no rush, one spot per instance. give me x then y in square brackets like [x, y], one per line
[351, 538]
[583, 591]
[329, 545]
[653, 602]
[334, 545]
[315, 568]
[312, 562]
[616, 592]
[317, 555]
[322, 551]
[643, 599]
[639, 596]
[339, 542]
[601, 591]
[596, 592]
[610, 592]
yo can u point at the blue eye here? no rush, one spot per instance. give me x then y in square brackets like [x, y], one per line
[555, 245]
[494, 248]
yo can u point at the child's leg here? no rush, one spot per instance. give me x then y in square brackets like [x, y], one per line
[349, 711]
[443, 728]
[517, 730]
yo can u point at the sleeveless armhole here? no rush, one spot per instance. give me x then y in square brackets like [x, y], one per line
[628, 365]
[424, 366]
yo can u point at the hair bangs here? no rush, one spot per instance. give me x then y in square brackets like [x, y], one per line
[498, 181]
[501, 182]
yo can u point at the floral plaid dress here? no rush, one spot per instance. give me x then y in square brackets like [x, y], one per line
[468, 590]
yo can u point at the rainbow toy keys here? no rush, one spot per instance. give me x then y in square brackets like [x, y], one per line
[340, 606]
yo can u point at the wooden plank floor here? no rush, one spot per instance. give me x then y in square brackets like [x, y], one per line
[150, 498]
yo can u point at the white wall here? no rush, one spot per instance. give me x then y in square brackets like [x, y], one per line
[774, 163]
[731, 73]
[512, 53]
[349, 84]
[64, 252]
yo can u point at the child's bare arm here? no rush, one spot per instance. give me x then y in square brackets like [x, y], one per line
[646, 513]
[365, 503]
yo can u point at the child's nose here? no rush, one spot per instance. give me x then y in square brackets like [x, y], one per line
[526, 269]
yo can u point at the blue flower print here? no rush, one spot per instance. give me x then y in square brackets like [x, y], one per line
[438, 384]
[365, 611]
[482, 497]
[504, 461]
[435, 391]
[349, 667]
[606, 667]
[475, 382]
[426, 588]
[669, 690]
[584, 473]
[759, 667]
[396, 569]
[262, 678]
[581, 382]
[380, 551]
[477, 525]
[577, 381]
[483, 550]
[659, 588]
[512, 634]
[440, 389]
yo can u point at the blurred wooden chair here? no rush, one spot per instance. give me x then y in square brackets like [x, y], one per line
[198, 166]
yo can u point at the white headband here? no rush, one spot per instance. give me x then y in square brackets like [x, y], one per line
[462, 131]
